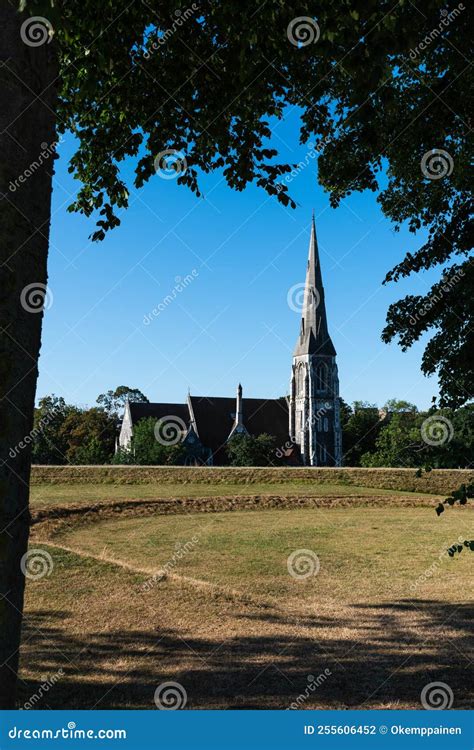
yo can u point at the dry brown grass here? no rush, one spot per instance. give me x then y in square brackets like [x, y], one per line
[253, 635]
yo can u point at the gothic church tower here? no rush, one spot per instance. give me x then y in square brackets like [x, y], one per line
[314, 396]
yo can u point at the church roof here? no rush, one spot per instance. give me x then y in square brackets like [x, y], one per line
[215, 418]
[314, 337]
[142, 410]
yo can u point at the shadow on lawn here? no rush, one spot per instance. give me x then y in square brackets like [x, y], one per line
[377, 663]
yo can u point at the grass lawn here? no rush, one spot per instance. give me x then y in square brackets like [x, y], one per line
[386, 614]
[44, 495]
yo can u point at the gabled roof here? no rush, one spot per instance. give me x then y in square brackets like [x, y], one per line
[215, 418]
[141, 410]
[314, 336]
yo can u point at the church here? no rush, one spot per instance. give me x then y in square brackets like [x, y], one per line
[306, 425]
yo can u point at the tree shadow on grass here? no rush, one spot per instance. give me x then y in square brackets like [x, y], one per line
[379, 663]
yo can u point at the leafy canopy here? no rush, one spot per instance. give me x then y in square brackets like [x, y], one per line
[379, 87]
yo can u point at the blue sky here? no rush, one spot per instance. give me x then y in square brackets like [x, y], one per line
[232, 322]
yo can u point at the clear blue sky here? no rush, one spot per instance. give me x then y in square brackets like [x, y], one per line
[233, 321]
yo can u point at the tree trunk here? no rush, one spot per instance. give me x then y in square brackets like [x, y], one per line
[27, 136]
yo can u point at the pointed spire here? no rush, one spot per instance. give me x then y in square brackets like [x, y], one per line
[314, 337]
[238, 426]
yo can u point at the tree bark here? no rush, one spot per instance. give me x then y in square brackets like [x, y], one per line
[27, 134]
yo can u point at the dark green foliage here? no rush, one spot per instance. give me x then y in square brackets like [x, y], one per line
[50, 440]
[90, 436]
[146, 450]
[361, 426]
[114, 401]
[461, 496]
[211, 87]
[402, 440]
[246, 450]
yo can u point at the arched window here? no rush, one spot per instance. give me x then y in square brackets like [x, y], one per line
[300, 375]
[326, 424]
[321, 377]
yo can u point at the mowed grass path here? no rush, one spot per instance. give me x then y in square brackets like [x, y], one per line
[45, 495]
[364, 554]
[386, 614]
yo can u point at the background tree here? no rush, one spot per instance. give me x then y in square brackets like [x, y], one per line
[247, 450]
[440, 439]
[114, 401]
[399, 405]
[49, 441]
[146, 450]
[360, 429]
[93, 77]
[89, 436]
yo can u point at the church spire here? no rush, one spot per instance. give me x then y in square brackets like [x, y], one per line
[314, 336]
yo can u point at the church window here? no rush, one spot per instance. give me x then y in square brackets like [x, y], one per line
[326, 424]
[321, 377]
[300, 380]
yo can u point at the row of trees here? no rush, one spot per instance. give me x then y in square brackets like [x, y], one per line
[67, 434]
[397, 435]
